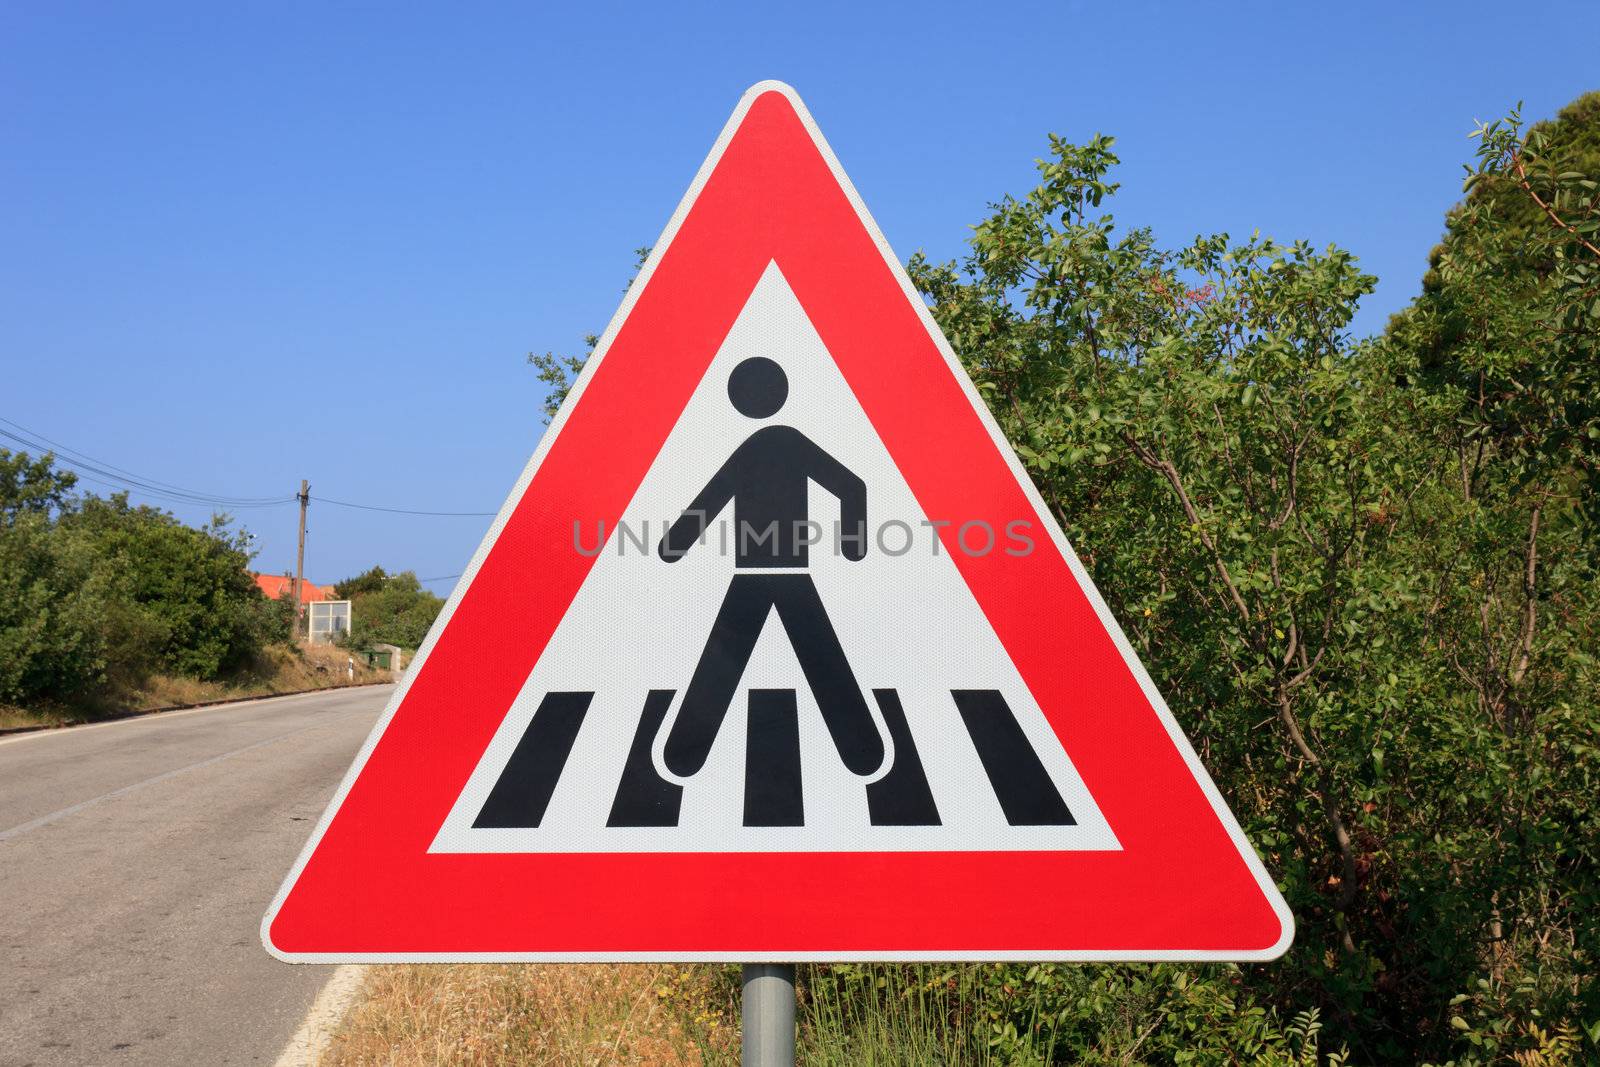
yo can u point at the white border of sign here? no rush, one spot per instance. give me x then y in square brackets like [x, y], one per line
[1218, 805]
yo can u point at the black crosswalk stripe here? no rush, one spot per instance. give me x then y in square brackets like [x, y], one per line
[1020, 782]
[772, 789]
[772, 793]
[644, 798]
[901, 797]
[525, 786]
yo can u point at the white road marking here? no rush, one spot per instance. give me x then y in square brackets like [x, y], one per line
[316, 1032]
[44, 820]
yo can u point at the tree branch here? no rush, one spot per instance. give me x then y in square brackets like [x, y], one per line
[1530, 604]
[1164, 467]
[1527, 187]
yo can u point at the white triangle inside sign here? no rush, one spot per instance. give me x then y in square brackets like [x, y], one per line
[972, 763]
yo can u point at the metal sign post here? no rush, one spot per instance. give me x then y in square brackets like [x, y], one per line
[767, 1012]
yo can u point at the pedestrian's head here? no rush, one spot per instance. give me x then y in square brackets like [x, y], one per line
[758, 387]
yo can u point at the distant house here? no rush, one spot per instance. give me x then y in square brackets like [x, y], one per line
[281, 586]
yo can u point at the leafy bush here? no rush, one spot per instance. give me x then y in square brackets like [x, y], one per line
[181, 598]
[1363, 572]
[1366, 576]
[1040, 1014]
[390, 609]
[94, 591]
[49, 641]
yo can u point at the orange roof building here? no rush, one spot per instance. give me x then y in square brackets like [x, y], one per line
[281, 587]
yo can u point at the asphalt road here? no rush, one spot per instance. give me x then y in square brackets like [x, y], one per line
[136, 859]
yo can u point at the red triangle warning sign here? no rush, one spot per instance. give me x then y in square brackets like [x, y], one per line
[775, 652]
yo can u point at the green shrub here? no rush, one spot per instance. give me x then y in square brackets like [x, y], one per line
[1020, 1014]
[50, 641]
[390, 609]
[96, 593]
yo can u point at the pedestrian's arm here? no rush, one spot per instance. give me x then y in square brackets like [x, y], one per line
[843, 483]
[682, 535]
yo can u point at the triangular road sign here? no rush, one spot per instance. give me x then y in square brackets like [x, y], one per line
[775, 653]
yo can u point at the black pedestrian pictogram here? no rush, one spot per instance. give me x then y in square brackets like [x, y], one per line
[766, 480]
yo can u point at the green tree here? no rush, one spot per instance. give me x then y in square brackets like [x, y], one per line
[178, 598]
[389, 609]
[1506, 334]
[1215, 445]
[370, 581]
[32, 486]
[95, 592]
[51, 642]
[1278, 515]
[1363, 573]
[559, 370]
[1508, 320]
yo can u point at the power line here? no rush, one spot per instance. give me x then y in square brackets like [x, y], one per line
[110, 472]
[107, 474]
[407, 511]
[117, 486]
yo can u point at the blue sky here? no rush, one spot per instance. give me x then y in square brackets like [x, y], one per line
[245, 244]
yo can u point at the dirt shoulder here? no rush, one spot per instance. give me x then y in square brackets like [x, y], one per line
[280, 671]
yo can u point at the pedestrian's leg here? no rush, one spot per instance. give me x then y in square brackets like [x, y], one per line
[817, 647]
[727, 652]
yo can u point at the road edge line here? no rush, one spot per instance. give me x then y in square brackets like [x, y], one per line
[334, 1001]
[172, 711]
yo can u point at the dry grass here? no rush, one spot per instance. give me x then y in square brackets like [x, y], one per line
[471, 1015]
[279, 669]
[12, 717]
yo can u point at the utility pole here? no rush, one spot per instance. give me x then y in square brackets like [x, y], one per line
[300, 555]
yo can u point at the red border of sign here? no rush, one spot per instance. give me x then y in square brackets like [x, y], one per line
[1185, 884]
